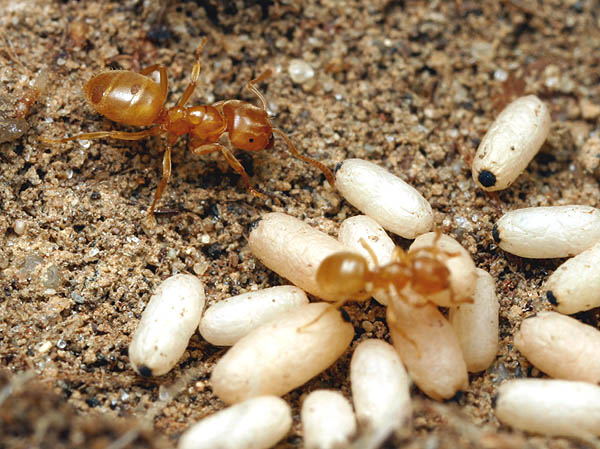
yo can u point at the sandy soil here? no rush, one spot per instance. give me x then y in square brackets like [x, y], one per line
[410, 85]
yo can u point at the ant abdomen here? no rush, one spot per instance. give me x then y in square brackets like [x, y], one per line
[343, 275]
[125, 97]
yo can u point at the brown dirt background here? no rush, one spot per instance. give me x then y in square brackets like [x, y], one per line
[410, 85]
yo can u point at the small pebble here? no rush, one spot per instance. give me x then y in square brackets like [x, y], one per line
[463, 274]
[293, 249]
[12, 128]
[367, 326]
[44, 347]
[327, 420]
[390, 201]
[169, 320]
[589, 110]
[20, 226]
[548, 232]
[511, 143]
[282, 354]
[561, 346]
[380, 387]
[589, 155]
[550, 407]
[300, 71]
[52, 278]
[575, 285]
[257, 423]
[361, 228]
[476, 325]
[29, 265]
[224, 323]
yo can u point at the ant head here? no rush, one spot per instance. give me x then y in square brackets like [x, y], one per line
[249, 127]
[342, 275]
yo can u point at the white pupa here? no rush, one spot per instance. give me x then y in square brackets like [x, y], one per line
[575, 285]
[476, 325]
[380, 387]
[510, 144]
[550, 407]
[390, 201]
[292, 249]
[225, 322]
[328, 421]
[282, 354]
[258, 423]
[561, 346]
[428, 347]
[356, 232]
[548, 232]
[169, 320]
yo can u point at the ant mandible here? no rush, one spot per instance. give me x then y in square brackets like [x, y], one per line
[133, 98]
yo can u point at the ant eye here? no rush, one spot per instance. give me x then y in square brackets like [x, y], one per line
[251, 139]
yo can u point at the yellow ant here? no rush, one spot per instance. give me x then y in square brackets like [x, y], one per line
[345, 276]
[135, 99]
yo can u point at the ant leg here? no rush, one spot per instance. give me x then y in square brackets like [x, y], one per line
[435, 250]
[408, 295]
[366, 246]
[442, 256]
[120, 135]
[400, 255]
[162, 77]
[232, 161]
[332, 306]
[189, 90]
[328, 174]
[453, 299]
[166, 174]
[31, 95]
[251, 87]
[11, 55]
[361, 297]
[392, 322]
[419, 304]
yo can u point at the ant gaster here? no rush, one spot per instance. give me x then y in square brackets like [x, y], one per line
[135, 99]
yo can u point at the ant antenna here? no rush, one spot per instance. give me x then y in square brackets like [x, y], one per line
[317, 164]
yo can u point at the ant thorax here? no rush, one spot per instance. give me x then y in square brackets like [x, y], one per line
[397, 274]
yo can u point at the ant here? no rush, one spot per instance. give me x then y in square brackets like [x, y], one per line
[13, 128]
[134, 99]
[346, 276]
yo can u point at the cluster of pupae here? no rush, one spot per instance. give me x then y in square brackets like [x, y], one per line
[279, 340]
